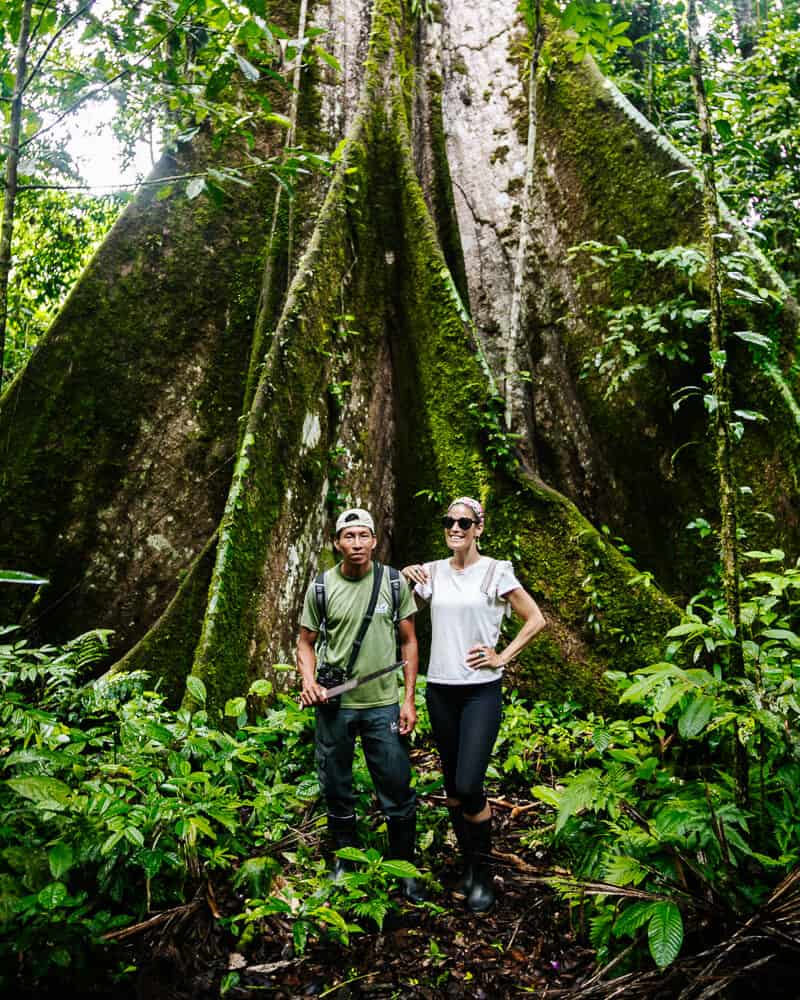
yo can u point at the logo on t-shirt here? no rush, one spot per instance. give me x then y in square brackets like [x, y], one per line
[381, 608]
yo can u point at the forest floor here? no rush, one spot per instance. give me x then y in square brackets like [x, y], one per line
[524, 946]
[531, 944]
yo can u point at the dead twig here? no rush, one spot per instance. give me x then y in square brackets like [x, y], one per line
[159, 918]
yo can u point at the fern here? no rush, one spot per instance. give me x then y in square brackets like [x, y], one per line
[581, 793]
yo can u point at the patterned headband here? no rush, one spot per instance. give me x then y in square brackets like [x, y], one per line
[473, 505]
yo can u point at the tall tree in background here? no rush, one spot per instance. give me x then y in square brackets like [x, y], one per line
[173, 452]
[11, 174]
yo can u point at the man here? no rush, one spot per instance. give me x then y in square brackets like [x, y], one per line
[371, 710]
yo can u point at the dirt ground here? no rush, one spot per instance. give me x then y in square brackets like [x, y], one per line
[524, 946]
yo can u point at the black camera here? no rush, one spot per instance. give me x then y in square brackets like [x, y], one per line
[328, 677]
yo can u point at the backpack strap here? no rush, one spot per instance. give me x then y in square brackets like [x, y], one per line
[377, 579]
[488, 576]
[394, 583]
[322, 606]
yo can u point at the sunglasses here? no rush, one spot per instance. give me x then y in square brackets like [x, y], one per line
[463, 522]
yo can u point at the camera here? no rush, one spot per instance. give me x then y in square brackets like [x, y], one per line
[328, 677]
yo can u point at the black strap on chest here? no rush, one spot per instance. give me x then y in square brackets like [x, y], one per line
[377, 578]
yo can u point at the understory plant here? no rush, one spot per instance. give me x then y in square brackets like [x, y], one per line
[114, 807]
[658, 844]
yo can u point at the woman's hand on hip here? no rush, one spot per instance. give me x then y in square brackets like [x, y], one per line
[479, 657]
[416, 573]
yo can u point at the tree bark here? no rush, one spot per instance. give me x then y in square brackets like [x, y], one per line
[728, 538]
[526, 205]
[12, 167]
[746, 17]
[164, 499]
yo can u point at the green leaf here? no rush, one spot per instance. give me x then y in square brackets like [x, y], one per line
[279, 120]
[624, 870]
[724, 130]
[261, 688]
[400, 869]
[195, 187]
[546, 794]
[49, 793]
[352, 854]
[760, 339]
[326, 57]
[578, 795]
[785, 635]
[248, 68]
[632, 918]
[14, 576]
[695, 718]
[196, 688]
[53, 895]
[235, 706]
[60, 859]
[665, 933]
[601, 739]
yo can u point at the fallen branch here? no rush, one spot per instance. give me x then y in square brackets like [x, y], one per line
[159, 918]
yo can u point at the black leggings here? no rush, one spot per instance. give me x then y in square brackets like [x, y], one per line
[465, 719]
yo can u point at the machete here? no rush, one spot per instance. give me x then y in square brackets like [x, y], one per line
[354, 682]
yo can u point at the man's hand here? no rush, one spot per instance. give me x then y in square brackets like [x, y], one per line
[408, 717]
[312, 694]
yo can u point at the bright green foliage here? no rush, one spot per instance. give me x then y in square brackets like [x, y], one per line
[642, 326]
[112, 806]
[318, 904]
[753, 103]
[653, 807]
[56, 233]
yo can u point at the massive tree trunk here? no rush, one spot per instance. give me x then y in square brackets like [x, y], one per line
[168, 495]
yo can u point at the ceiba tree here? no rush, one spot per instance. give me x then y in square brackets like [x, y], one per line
[225, 375]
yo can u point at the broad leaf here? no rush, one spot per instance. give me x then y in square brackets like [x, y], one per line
[247, 68]
[60, 859]
[665, 933]
[196, 689]
[632, 918]
[53, 895]
[235, 706]
[695, 718]
[399, 868]
[49, 793]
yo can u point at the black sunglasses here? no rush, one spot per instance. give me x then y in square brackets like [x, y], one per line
[463, 522]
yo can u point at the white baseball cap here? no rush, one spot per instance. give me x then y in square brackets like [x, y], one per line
[355, 517]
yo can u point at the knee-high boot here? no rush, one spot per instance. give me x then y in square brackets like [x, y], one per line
[343, 834]
[402, 839]
[481, 893]
[464, 884]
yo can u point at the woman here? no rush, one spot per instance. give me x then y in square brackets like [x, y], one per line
[469, 594]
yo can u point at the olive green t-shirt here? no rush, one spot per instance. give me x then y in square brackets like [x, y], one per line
[346, 602]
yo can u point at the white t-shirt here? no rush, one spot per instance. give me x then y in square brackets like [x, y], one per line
[463, 616]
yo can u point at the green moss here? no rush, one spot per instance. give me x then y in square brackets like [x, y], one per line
[167, 650]
[153, 303]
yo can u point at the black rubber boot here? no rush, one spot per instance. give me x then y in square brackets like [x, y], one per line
[481, 894]
[402, 837]
[343, 834]
[463, 886]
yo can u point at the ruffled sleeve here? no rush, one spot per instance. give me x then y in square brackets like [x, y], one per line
[505, 580]
[424, 590]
